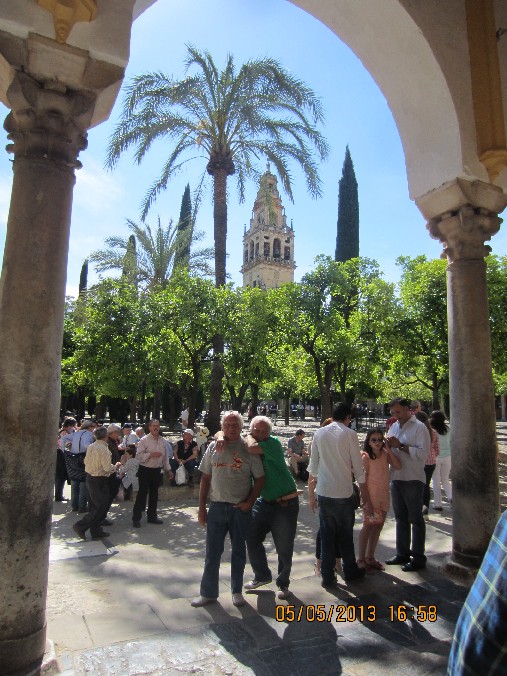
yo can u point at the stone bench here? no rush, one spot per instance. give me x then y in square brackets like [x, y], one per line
[167, 492]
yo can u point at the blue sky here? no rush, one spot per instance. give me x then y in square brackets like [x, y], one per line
[357, 115]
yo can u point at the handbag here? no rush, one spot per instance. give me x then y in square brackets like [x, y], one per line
[181, 475]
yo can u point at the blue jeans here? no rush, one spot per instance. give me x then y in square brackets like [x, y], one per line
[337, 516]
[78, 495]
[223, 518]
[281, 520]
[407, 497]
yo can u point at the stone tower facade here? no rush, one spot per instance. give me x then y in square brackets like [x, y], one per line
[268, 244]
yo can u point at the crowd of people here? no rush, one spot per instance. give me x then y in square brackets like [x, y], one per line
[139, 457]
[248, 489]
[107, 462]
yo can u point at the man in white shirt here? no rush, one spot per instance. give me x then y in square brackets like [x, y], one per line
[335, 457]
[152, 453]
[410, 441]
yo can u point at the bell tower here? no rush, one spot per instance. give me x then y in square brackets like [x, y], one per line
[268, 244]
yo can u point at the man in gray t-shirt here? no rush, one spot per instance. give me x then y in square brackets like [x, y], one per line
[233, 478]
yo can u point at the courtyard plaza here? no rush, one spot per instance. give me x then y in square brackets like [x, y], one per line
[122, 605]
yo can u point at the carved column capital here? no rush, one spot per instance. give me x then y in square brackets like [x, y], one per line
[47, 121]
[464, 232]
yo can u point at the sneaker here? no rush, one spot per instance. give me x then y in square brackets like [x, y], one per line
[238, 599]
[283, 593]
[136, 524]
[253, 584]
[106, 522]
[200, 601]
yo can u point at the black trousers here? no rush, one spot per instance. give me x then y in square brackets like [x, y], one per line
[428, 470]
[60, 475]
[98, 500]
[149, 481]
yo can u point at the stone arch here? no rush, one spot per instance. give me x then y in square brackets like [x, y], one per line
[431, 110]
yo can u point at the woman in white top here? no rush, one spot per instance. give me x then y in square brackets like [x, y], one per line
[443, 461]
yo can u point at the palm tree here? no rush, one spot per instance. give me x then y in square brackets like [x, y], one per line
[149, 258]
[231, 119]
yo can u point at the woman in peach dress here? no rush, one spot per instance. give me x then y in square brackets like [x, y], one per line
[377, 457]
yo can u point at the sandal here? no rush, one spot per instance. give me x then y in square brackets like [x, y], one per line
[362, 563]
[373, 563]
[316, 567]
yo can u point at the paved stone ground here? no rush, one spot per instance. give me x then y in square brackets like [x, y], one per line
[122, 606]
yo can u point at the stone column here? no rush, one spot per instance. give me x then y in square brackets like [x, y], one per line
[47, 130]
[463, 231]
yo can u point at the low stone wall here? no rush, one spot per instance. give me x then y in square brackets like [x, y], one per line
[168, 492]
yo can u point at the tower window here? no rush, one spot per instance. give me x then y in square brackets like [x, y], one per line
[286, 253]
[276, 248]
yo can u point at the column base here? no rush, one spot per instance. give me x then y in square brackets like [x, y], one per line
[23, 656]
[462, 567]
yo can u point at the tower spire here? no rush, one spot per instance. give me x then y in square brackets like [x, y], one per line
[268, 244]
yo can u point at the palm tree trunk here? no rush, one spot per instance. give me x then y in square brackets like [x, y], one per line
[220, 223]
[220, 228]
[216, 385]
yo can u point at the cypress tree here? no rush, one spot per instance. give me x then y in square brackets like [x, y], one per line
[182, 255]
[347, 236]
[83, 278]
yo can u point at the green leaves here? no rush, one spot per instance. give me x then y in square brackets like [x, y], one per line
[147, 258]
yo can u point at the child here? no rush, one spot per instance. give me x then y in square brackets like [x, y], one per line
[128, 473]
[377, 457]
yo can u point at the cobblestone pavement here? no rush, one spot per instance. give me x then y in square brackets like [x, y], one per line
[122, 605]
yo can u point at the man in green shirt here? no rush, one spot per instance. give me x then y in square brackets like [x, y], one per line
[275, 511]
